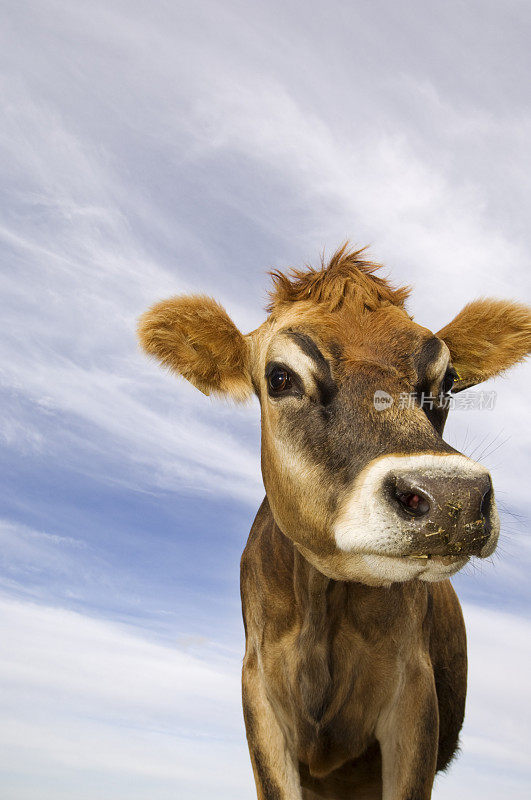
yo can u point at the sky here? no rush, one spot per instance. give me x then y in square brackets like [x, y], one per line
[148, 149]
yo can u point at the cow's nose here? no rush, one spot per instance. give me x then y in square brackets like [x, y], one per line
[448, 514]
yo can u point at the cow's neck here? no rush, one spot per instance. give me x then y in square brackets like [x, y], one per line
[324, 607]
[321, 600]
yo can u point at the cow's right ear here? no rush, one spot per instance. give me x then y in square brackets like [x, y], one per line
[195, 337]
[486, 338]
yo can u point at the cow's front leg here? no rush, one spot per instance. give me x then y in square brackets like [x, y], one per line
[275, 766]
[409, 734]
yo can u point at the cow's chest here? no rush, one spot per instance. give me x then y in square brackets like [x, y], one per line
[333, 676]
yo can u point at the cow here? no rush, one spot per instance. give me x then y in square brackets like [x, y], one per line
[355, 669]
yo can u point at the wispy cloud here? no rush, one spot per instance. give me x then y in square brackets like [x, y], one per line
[86, 697]
[495, 735]
[71, 346]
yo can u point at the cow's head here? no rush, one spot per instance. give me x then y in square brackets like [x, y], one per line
[355, 468]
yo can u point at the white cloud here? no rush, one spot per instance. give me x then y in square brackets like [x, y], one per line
[71, 347]
[494, 761]
[82, 697]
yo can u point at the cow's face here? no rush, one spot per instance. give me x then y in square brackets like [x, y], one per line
[354, 398]
[356, 472]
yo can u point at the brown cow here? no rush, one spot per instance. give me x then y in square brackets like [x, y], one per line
[354, 677]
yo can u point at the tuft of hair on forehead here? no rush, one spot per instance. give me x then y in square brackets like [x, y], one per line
[347, 276]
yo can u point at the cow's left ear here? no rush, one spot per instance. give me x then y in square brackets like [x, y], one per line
[486, 338]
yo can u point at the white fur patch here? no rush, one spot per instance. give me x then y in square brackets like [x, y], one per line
[287, 352]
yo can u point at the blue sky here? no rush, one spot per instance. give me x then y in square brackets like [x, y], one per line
[155, 148]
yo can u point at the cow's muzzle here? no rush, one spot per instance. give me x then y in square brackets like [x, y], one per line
[420, 505]
[450, 515]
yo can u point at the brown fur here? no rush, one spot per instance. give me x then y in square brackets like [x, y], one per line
[487, 337]
[354, 680]
[195, 337]
[328, 651]
[347, 275]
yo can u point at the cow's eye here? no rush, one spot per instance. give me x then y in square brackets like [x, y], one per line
[448, 381]
[279, 380]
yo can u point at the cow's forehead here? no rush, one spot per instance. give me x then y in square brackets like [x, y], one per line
[350, 334]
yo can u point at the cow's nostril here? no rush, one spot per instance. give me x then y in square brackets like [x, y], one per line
[414, 503]
[486, 502]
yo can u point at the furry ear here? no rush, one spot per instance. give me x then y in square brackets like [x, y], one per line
[195, 337]
[486, 338]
